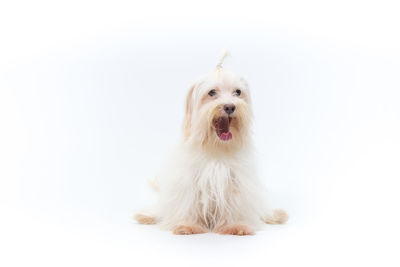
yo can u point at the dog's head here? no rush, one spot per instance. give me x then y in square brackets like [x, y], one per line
[218, 113]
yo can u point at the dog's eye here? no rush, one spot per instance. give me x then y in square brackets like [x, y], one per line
[212, 92]
[238, 92]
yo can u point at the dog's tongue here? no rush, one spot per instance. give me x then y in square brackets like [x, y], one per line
[223, 129]
[226, 136]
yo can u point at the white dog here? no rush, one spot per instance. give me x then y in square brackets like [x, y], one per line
[210, 182]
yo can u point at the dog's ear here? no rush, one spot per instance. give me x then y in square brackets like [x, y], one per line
[187, 121]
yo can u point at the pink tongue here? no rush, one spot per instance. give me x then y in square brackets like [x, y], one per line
[226, 136]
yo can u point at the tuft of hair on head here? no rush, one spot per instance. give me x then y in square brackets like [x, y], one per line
[225, 54]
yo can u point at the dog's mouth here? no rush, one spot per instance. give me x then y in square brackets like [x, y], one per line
[222, 128]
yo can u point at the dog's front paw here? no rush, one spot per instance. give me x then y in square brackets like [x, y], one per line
[237, 229]
[188, 230]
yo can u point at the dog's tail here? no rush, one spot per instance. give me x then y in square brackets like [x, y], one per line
[154, 184]
[224, 55]
[146, 216]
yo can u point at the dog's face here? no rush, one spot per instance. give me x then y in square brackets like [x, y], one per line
[218, 112]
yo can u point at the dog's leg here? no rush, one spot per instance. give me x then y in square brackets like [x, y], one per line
[189, 229]
[234, 229]
[277, 216]
[143, 218]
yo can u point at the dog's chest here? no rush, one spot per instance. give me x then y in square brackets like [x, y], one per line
[216, 185]
[216, 181]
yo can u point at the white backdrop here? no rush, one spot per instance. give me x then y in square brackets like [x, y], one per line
[91, 102]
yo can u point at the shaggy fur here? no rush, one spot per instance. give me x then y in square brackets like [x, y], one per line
[210, 184]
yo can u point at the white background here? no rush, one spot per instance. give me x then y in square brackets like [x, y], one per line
[91, 102]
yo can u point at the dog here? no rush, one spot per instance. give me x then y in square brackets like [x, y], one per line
[209, 183]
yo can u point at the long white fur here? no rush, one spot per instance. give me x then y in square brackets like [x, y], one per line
[198, 188]
[207, 181]
[224, 55]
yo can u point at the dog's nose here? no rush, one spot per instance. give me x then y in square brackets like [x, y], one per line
[229, 108]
